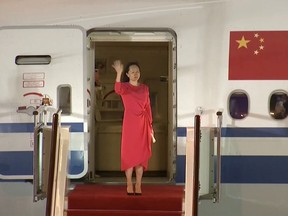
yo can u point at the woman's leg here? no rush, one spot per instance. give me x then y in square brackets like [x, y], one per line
[139, 174]
[128, 174]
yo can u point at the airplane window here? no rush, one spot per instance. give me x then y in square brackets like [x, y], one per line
[64, 99]
[238, 105]
[278, 105]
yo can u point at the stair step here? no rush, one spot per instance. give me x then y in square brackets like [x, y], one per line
[93, 212]
[114, 197]
[112, 200]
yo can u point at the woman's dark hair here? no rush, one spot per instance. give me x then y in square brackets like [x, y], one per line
[124, 77]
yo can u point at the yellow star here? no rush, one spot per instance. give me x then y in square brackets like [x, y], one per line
[242, 42]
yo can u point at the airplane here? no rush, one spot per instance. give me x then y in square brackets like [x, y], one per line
[58, 54]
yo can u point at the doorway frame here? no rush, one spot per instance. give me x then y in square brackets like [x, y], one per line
[140, 35]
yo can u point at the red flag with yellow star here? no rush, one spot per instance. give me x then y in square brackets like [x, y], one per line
[258, 55]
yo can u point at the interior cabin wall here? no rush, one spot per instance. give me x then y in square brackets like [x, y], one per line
[153, 60]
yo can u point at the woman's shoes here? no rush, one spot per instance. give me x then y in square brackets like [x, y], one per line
[138, 194]
[130, 190]
[138, 191]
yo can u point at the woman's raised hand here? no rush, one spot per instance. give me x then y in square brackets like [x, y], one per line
[118, 66]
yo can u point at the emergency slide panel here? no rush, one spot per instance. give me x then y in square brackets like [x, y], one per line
[41, 66]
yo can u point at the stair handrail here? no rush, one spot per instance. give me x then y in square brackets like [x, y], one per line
[192, 184]
[196, 185]
[54, 138]
[218, 164]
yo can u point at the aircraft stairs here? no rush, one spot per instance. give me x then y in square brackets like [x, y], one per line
[104, 199]
[50, 182]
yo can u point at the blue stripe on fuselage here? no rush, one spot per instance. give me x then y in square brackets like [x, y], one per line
[254, 169]
[21, 163]
[29, 127]
[245, 132]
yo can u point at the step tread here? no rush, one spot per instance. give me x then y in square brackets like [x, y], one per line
[114, 197]
[93, 212]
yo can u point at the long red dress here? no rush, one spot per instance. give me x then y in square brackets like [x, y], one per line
[137, 125]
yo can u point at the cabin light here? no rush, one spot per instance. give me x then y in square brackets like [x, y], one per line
[33, 59]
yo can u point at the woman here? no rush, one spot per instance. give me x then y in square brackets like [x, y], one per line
[137, 123]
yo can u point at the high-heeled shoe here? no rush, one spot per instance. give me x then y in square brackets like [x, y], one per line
[138, 192]
[129, 192]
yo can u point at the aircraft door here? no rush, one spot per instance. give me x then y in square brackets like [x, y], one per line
[41, 68]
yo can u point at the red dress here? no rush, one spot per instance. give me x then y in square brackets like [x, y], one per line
[137, 125]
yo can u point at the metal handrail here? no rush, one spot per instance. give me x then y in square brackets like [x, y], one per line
[196, 165]
[37, 164]
[40, 122]
[218, 165]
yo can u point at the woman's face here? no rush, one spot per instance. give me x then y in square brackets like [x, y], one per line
[133, 73]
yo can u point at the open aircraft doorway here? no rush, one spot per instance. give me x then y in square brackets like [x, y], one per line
[155, 51]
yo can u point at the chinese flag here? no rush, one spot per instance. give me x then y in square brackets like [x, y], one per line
[258, 55]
